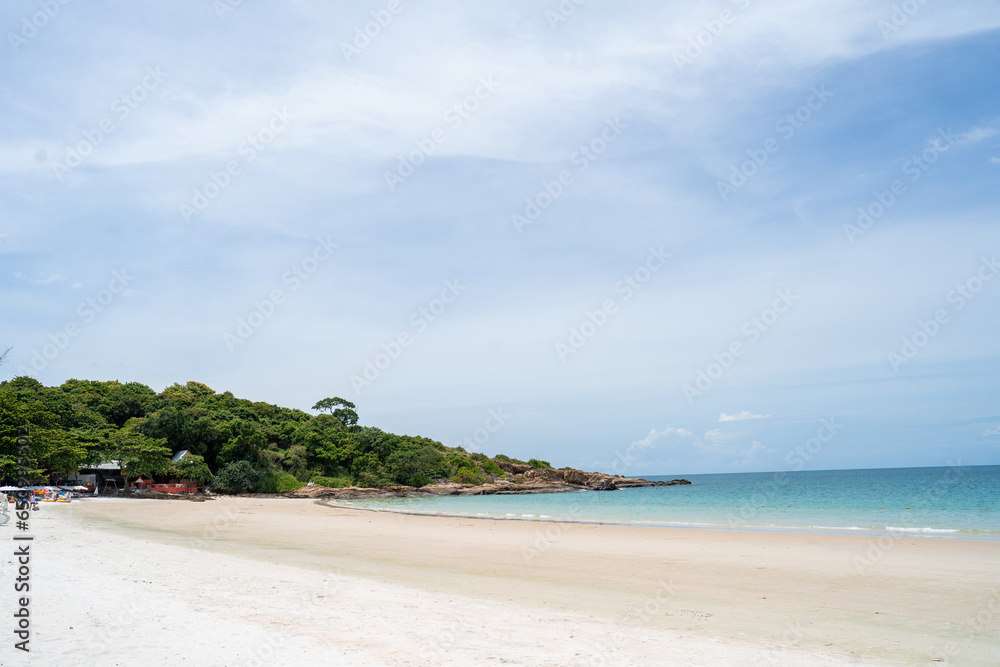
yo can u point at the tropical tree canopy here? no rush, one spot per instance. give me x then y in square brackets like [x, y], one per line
[233, 443]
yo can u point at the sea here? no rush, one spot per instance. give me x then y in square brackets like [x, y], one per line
[946, 502]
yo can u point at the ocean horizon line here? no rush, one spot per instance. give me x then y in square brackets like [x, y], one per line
[804, 470]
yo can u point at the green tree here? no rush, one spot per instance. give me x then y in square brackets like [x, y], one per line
[58, 451]
[246, 443]
[415, 465]
[60, 433]
[90, 422]
[195, 429]
[506, 459]
[126, 401]
[340, 408]
[194, 469]
[237, 477]
[296, 460]
[368, 471]
[139, 455]
[488, 465]
[376, 441]
[470, 474]
[277, 481]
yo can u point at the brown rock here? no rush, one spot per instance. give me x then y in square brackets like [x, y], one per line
[544, 475]
[578, 477]
[513, 468]
[546, 480]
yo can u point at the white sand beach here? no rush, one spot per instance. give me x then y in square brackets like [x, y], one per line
[242, 581]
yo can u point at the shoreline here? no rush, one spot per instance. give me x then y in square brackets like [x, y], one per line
[534, 482]
[797, 596]
[933, 534]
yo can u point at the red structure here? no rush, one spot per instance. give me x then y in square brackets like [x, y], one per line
[174, 488]
[146, 485]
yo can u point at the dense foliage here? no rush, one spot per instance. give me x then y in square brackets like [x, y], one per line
[235, 444]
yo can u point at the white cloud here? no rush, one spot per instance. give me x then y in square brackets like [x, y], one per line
[681, 445]
[992, 431]
[651, 439]
[757, 448]
[678, 448]
[53, 277]
[373, 109]
[975, 135]
[995, 160]
[740, 416]
[754, 453]
[717, 435]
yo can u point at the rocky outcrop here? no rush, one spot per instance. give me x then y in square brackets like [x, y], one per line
[514, 468]
[353, 492]
[527, 480]
[595, 481]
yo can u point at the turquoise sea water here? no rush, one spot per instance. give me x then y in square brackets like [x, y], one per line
[934, 502]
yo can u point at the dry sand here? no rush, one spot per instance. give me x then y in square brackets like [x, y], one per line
[241, 581]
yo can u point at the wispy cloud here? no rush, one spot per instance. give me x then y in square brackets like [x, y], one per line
[655, 436]
[740, 416]
[754, 453]
[992, 431]
[53, 277]
[717, 435]
[757, 448]
[654, 440]
[977, 134]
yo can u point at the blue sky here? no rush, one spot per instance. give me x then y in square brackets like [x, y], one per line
[487, 208]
